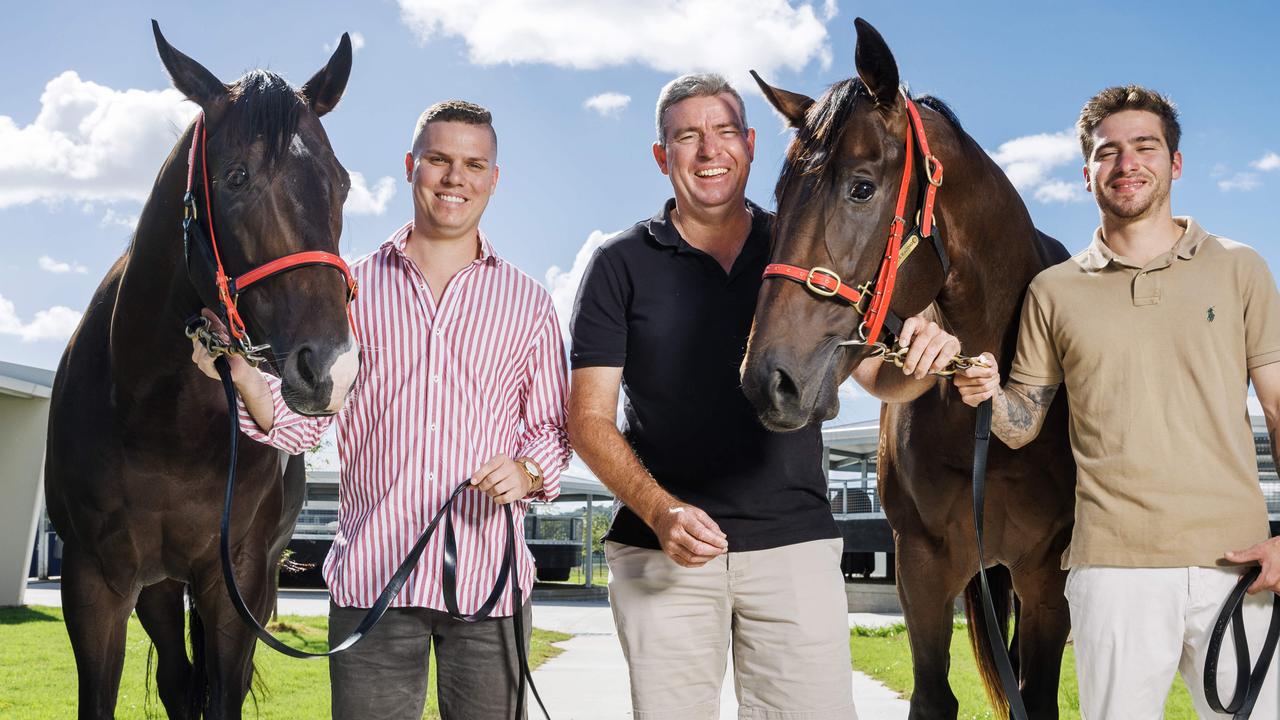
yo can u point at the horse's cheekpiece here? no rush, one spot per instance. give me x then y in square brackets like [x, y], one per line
[229, 288]
[871, 299]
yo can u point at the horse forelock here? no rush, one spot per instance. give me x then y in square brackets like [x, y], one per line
[265, 106]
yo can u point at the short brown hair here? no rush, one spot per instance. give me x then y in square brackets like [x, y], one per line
[460, 111]
[1127, 97]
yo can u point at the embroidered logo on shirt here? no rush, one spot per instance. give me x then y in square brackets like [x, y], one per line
[1209, 313]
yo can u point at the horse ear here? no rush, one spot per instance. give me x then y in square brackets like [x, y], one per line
[876, 67]
[189, 77]
[793, 106]
[324, 89]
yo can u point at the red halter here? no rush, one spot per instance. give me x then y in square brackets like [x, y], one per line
[827, 283]
[229, 288]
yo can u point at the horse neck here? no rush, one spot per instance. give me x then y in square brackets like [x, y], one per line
[155, 294]
[992, 243]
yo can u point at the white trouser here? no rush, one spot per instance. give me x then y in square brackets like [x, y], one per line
[1134, 627]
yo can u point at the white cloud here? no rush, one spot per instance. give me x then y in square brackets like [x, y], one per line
[119, 219]
[670, 36]
[89, 142]
[608, 104]
[1031, 161]
[1240, 182]
[564, 285]
[56, 323]
[1061, 191]
[365, 200]
[357, 42]
[1267, 163]
[58, 267]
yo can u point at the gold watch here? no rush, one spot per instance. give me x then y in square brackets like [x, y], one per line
[531, 469]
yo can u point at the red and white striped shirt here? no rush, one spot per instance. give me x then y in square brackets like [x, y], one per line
[440, 391]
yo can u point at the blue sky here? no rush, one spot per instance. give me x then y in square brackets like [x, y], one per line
[85, 121]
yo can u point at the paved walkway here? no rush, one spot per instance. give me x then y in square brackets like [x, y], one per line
[589, 680]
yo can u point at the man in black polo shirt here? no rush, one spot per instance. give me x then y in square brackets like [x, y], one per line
[725, 534]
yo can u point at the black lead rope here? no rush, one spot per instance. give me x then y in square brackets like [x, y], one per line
[1248, 685]
[449, 581]
[995, 634]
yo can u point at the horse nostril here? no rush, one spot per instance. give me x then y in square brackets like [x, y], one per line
[783, 387]
[303, 360]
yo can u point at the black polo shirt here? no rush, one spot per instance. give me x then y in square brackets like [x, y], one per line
[677, 325]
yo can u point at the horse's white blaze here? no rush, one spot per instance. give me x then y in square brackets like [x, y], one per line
[343, 374]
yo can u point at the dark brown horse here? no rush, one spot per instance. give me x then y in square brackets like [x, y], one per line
[836, 201]
[138, 439]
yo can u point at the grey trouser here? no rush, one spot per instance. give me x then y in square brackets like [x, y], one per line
[384, 676]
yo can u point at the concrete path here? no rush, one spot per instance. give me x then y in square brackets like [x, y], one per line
[588, 681]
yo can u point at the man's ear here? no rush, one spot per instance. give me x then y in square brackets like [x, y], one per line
[660, 157]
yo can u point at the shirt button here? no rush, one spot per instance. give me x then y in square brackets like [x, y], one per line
[435, 378]
[438, 333]
[431, 476]
[432, 427]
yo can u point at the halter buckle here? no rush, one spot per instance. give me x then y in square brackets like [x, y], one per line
[933, 170]
[819, 290]
[864, 294]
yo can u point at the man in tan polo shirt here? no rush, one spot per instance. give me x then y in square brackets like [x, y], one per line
[1156, 329]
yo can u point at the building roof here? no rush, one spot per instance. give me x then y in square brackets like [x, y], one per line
[24, 381]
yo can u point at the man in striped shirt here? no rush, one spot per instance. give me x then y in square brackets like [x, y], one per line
[462, 375]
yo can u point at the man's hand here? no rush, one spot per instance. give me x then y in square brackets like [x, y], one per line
[1267, 553]
[978, 383]
[688, 535]
[502, 479]
[930, 347]
[240, 369]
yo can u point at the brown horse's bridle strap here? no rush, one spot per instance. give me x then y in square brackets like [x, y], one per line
[229, 288]
[871, 300]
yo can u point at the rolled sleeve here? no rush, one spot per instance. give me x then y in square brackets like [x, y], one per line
[290, 432]
[545, 410]
[1036, 361]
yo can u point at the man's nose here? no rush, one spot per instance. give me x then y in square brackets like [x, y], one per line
[452, 175]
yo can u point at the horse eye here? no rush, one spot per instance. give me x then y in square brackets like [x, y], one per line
[237, 178]
[862, 191]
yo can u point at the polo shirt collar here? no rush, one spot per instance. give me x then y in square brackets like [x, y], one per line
[1098, 256]
[395, 244]
[663, 229]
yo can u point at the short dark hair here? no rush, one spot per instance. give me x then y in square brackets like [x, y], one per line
[459, 111]
[1127, 97]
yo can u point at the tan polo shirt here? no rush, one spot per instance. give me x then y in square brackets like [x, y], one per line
[1155, 362]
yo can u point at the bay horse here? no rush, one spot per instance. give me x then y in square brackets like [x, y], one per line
[138, 448]
[836, 204]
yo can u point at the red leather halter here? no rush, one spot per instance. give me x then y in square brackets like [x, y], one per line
[878, 295]
[229, 288]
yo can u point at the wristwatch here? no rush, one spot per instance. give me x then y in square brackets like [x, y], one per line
[531, 469]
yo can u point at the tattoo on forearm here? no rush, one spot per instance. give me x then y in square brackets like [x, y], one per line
[1020, 413]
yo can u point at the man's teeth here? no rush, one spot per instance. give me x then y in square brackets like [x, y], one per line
[451, 198]
[711, 172]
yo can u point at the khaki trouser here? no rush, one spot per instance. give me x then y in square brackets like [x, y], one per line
[783, 611]
[1135, 627]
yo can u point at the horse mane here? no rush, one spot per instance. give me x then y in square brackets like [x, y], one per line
[815, 144]
[266, 107]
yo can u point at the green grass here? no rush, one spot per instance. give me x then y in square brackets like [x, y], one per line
[599, 576]
[38, 675]
[885, 655]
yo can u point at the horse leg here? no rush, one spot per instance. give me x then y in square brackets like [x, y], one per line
[1043, 625]
[229, 643]
[928, 583]
[97, 619]
[160, 608]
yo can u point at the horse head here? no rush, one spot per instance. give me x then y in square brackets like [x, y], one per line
[274, 189]
[836, 206]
